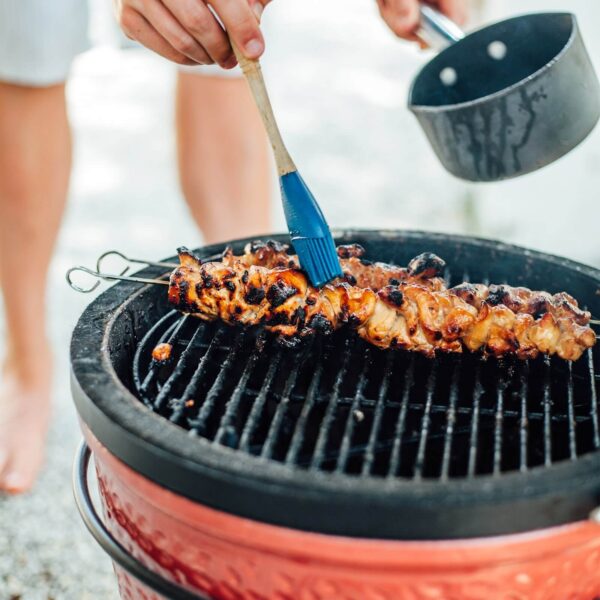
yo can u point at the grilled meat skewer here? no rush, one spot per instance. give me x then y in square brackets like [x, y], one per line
[415, 312]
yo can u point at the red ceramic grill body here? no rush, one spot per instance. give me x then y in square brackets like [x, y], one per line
[529, 533]
[231, 558]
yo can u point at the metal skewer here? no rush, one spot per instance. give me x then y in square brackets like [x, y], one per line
[127, 259]
[139, 261]
[100, 274]
[106, 277]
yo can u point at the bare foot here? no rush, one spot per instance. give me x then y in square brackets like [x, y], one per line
[24, 416]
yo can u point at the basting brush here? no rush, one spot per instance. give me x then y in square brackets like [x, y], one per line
[308, 228]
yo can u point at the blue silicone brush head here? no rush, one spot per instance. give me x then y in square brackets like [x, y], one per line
[309, 231]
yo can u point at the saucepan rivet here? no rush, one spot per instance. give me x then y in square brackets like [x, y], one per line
[497, 50]
[448, 76]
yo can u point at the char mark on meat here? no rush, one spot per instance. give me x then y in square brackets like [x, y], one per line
[426, 265]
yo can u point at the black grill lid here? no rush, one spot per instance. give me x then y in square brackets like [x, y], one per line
[341, 438]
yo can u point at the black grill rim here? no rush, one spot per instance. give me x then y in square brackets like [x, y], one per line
[328, 503]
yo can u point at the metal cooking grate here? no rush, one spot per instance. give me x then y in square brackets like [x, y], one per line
[338, 404]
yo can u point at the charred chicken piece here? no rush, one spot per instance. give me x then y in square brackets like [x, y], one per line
[425, 269]
[162, 353]
[410, 313]
[522, 300]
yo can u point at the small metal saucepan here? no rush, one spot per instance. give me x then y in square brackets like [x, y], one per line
[507, 99]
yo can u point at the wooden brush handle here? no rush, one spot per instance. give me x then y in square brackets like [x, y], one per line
[253, 74]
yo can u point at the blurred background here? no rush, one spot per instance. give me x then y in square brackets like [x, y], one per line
[339, 81]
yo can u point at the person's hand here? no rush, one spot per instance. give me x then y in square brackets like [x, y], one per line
[188, 33]
[402, 16]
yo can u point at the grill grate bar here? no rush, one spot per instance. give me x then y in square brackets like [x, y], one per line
[191, 387]
[572, 422]
[350, 419]
[300, 427]
[323, 436]
[168, 335]
[473, 445]
[524, 424]
[198, 425]
[165, 391]
[369, 458]
[284, 401]
[593, 399]
[258, 405]
[450, 422]
[423, 438]
[396, 454]
[231, 406]
[498, 424]
[547, 413]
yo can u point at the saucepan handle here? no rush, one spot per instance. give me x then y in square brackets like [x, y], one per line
[437, 30]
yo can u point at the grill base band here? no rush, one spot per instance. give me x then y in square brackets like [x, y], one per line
[224, 556]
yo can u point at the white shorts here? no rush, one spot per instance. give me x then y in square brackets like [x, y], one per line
[211, 70]
[40, 38]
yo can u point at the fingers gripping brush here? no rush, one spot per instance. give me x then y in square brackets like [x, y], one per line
[308, 228]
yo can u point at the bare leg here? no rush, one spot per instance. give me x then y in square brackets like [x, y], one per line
[223, 157]
[35, 160]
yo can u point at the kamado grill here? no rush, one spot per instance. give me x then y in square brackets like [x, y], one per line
[242, 469]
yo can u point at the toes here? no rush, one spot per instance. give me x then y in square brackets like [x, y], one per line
[22, 468]
[19, 478]
[15, 483]
[24, 415]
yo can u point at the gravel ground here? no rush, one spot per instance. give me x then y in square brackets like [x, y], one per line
[341, 106]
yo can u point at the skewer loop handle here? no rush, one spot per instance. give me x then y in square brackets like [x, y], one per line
[105, 277]
[130, 261]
